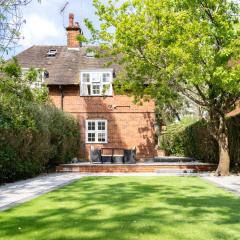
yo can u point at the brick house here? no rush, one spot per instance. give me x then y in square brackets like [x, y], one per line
[81, 85]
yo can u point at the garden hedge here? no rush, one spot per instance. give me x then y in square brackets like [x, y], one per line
[34, 134]
[25, 153]
[234, 140]
[191, 138]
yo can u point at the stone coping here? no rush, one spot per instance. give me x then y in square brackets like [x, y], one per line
[139, 164]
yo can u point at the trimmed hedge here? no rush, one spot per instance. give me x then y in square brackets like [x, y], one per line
[191, 138]
[25, 153]
[34, 134]
[234, 140]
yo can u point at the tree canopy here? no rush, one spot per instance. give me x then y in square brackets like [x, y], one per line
[171, 49]
[11, 20]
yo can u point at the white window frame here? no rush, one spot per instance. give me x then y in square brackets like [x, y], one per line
[99, 83]
[40, 78]
[96, 131]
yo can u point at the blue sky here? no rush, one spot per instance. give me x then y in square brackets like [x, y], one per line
[45, 25]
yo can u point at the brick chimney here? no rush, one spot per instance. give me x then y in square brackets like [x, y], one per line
[73, 30]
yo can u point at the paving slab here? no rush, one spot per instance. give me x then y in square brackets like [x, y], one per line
[18, 192]
[229, 183]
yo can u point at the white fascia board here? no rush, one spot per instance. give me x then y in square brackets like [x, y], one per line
[96, 70]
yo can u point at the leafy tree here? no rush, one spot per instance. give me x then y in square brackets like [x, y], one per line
[34, 134]
[11, 20]
[176, 48]
[17, 96]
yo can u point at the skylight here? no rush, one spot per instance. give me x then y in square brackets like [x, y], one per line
[52, 52]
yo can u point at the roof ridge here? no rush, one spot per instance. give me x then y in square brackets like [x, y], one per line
[49, 45]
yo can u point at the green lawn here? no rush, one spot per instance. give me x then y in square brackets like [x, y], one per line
[117, 208]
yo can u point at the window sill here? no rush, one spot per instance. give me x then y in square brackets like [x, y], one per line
[96, 142]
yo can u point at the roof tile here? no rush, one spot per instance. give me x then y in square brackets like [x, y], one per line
[65, 67]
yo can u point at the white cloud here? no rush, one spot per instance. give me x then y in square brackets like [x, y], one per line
[39, 30]
[45, 25]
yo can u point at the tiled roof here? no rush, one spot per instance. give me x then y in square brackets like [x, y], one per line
[64, 68]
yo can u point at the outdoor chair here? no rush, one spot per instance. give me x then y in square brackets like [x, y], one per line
[95, 155]
[118, 155]
[106, 155]
[130, 155]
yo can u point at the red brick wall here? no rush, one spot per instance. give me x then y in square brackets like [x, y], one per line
[72, 41]
[133, 168]
[129, 124]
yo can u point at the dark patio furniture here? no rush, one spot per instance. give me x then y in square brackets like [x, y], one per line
[95, 155]
[106, 155]
[118, 155]
[130, 156]
[113, 155]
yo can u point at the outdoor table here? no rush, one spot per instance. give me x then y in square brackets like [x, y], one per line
[111, 153]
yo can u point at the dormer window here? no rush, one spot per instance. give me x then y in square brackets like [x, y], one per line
[52, 52]
[96, 83]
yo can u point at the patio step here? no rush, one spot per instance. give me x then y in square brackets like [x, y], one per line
[139, 167]
[177, 171]
[171, 159]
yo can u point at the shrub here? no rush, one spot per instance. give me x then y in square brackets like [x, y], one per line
[190, 138]
[234, 140]
[33, 133]
[64, 137]
[27, 152]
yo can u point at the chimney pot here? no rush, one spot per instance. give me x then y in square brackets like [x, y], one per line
[71, 19]
[73, 30]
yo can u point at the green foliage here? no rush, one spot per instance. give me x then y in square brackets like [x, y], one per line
[190, 138]
[34, 134]
[11, 20]
[171, 47]
[64, 136]
[174, 48]
[127, 208]
[234, 140]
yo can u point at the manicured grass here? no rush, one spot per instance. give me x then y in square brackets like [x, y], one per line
[127, 208]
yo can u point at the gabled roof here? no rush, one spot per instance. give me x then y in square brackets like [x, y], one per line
[65, 67]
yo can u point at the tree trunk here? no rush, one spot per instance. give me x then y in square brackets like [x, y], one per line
[224, 157]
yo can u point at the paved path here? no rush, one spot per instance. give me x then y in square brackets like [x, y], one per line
[231, 183]
[12, 194]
